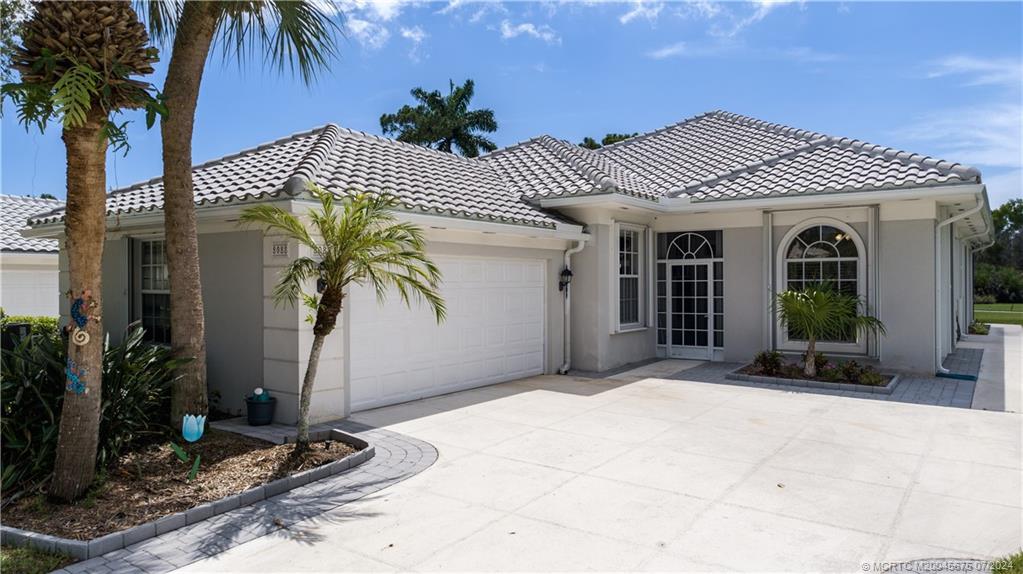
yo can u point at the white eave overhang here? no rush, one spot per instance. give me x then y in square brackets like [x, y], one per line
[228, 215]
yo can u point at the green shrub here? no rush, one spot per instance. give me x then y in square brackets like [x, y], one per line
[767, 363]
[135, 403]
[978, 328]
[871, 377]
[984, 300]
[851, 371]
[1003, 283]
[49, 326]
[830, 373]
[1012, 564]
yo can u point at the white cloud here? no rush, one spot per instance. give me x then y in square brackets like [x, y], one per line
[701, 8]
[669, 51]
[377, 10]
[370, 35]
[761, 8]
[541, 32]
[989, 137]
[416, 35]
[642, 9]
[979, 72]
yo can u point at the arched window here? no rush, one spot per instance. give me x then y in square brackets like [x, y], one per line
[690, 246]
[823, 254]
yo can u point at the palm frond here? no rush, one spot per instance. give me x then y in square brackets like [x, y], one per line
[289, 288]
[296, 35]
[357, 241]
[161, 17]
[276, 218]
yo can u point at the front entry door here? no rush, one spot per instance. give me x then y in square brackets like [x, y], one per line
[690, 311]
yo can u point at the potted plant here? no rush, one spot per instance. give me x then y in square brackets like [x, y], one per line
[260, 406]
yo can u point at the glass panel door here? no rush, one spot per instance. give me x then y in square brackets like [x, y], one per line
[690, 311]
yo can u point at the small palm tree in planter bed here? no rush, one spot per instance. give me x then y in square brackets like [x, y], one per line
[822, 312]
[357, 242]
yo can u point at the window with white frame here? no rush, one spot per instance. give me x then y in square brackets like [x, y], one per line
[631, 250]
[823, 255]
[154, 292]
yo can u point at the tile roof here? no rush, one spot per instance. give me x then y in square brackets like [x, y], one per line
[425, 180]
[15, 211]
[710, 157]
[340, 159]
[548, 167]
[721, 155]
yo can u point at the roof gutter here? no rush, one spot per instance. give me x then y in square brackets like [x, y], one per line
[981, 199]
[686, 204]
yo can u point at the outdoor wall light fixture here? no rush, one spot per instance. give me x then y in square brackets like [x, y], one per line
[566, 278]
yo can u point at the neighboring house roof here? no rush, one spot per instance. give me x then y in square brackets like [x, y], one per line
[711, 157]
[15, 211]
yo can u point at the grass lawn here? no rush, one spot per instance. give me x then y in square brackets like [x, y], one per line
[1011, 313]
[30, 561]
[1009, 565]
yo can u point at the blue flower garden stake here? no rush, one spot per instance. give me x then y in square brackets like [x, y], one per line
[192, 427]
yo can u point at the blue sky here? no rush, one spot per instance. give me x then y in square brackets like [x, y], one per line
[943, 79]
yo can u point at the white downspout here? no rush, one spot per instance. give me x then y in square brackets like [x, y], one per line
[568, 309]
[938, 298]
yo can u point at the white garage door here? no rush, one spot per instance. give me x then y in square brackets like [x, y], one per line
[494, 332]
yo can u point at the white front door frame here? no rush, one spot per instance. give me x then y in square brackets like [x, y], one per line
[701, 352]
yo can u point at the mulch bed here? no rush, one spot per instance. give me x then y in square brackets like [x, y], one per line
[794, 371]
[149, 484]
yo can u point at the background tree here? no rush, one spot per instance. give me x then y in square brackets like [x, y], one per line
[443, 122]
[360, 243]
[293, 34]
[611, 138]
[1008, 247]
[820, 312]
[76, 63]
[13, 14]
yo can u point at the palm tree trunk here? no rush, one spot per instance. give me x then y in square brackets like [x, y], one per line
[307, 392]
[810, 361]
[85, 232]
[326, 319]
[192, 43]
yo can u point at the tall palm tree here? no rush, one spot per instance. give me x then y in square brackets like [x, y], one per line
[76, 63]
[294, 34]
[819, 312]
[443, 122]
[358, 242]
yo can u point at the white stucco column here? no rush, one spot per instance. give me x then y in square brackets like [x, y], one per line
[287, 338]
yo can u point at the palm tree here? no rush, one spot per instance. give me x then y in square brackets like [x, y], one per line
[297, 34]
[358, 242]
[443, 122]
[76, 63]
[821, 312]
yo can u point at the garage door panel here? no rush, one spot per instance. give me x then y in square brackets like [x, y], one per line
[494, 332]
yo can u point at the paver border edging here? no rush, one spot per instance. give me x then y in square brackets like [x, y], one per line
[736, 375]
[85, 549]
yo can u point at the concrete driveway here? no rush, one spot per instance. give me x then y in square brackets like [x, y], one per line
[638, 472]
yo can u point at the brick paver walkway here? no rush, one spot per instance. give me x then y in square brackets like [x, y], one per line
[397, 457]
[910, 389]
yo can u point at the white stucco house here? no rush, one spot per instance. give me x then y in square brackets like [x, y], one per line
[676, 240]
[28, 265]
